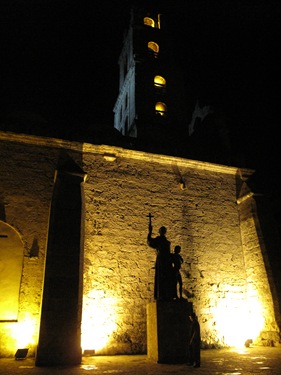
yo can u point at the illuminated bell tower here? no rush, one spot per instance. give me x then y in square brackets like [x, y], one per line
[150, 108]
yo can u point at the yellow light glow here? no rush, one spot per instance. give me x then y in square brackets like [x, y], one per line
[98, 319]
[23, 333]
[159, 81]
[149, 21]
[161, 108]
[153, 47]
[237, 320]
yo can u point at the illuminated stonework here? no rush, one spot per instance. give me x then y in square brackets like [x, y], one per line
[11, 261]
[224, 272]
[99, 320]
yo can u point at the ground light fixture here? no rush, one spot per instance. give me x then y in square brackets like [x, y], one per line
[21, 354]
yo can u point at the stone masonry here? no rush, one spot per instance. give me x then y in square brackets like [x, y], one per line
[220, 244]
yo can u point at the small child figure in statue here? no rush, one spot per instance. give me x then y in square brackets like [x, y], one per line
[177, 262]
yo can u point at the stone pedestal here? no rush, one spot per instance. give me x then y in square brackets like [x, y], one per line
[168, 330]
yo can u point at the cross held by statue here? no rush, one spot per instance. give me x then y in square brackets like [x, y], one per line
[149, 217]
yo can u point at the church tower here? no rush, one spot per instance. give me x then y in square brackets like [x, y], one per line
[150, 110]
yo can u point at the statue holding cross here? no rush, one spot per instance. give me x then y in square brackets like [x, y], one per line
[163, 265]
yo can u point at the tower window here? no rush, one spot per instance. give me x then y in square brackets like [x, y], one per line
[154, 47]
[149, 21]
[159, 81]
[161, 109]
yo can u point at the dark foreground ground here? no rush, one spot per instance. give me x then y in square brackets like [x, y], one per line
[248, 361]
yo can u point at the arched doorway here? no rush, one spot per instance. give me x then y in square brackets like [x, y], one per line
[11, 261]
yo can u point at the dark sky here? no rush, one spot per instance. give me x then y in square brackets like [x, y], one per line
[60, 56]
[59, 60]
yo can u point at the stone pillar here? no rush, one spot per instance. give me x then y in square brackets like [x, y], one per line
[168, 330]
[60, 326]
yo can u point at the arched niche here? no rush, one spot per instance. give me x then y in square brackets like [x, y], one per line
[153, 47]
[149, 21]
[161, 109]
[11, 262]
[159, 81]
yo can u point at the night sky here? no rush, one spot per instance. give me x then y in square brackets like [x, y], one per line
[59, 62]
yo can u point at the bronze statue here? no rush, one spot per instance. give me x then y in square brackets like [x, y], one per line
[177, 261]
[163, 280]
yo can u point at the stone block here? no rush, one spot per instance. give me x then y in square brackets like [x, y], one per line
[168, 330]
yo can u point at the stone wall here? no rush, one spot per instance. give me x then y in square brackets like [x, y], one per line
[122, 187]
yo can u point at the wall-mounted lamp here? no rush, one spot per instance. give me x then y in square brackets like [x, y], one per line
[245, 197]
[21, 354]
[109, 157]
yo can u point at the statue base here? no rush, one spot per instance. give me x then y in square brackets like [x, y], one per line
[168, 330]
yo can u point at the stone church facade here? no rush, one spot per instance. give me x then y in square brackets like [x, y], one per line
[74, 258]
[76, 273]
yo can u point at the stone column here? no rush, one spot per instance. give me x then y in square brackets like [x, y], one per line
[60, 328]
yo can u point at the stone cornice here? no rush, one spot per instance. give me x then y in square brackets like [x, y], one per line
[111, 153]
